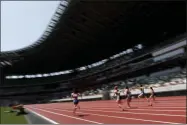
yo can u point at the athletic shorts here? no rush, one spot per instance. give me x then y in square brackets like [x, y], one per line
[76, 101]
[119, 98]
[142, 94]
[128, 97]
[153, 94]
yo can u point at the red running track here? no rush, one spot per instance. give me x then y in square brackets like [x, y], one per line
[167, 110]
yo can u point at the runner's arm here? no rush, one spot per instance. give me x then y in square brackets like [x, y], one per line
[71, 96]
[125, 92]
[80, 95]
[114, 95]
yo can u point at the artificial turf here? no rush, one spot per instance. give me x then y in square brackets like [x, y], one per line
[11, 118]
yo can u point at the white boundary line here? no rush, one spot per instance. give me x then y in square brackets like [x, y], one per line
[68, 116]
[28, 120]
[125, 117]
[47, 119]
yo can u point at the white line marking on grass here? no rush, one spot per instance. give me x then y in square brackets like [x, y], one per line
[47, 119]
[28, 120]
[68, 116]
[125, 118]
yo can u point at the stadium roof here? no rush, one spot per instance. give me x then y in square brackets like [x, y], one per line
[84, 32]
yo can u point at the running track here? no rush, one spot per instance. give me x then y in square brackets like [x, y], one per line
[167, 110]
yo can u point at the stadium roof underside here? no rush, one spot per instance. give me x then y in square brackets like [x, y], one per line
[89, 31]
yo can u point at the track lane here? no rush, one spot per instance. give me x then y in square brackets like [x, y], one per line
[138, 110]
[150, 116]
[109, 118]
[142, 115]
[181, 113]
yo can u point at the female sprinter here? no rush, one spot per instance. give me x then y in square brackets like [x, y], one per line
[142, 94]
[75, 96]
[128, 96]
[152, 96]
[117, 94]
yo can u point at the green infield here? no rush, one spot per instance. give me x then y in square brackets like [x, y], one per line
[7, 117]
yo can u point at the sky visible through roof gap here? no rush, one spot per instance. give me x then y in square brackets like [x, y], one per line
[24, 22]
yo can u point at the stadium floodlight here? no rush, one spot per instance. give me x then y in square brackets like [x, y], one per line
[46, 33]
[41, 39]
[31, 76]
[114, 56]
[61, 72]
[60, 11]
[45, 75]
[27, 76]
[129, 50]
[89, 66]
[82, 68]
[56, 18]
[68, 71]
[20, 77]
[124, 52]
[48, 30]
[8, 63]
[139, 46]
[2, 63]
[8, 77]
[39, 75]
[44, 36]
[53, 21]
[14, 77]
[51, 74]
[56, 73]
[64, 3]
[62, 7]
[52, 24]
[57, 15]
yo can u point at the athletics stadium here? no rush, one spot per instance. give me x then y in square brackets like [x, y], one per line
[93, 46]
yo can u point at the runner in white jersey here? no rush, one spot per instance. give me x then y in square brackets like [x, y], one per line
[119, 99]
[142, 94]
[75, 96]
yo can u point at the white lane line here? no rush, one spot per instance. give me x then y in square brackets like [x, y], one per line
[144, 109]
[68, 116]
[47, 119]
[113, 106]
[132, 109]
[125, 112]
[137, 113]
[110, 116]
